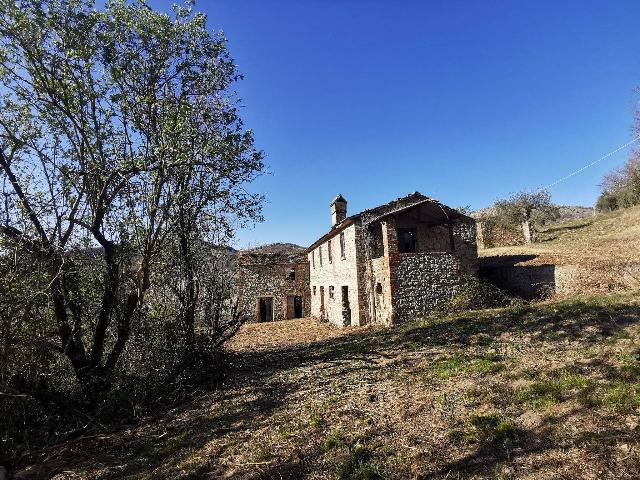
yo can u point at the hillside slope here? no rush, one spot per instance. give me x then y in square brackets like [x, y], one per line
[550, 390]
[608, 238]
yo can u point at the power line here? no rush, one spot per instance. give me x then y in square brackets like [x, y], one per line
[622, 147]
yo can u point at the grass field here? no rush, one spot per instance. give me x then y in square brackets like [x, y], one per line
[603, 239]
[549, 390]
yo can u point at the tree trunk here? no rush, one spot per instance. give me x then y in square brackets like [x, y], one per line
[528, 232]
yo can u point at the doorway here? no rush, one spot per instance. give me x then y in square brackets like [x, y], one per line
[265, 309]
[346, 308]
[297, 306]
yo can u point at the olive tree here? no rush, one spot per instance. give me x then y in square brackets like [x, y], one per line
[526, 209]
[119, 135]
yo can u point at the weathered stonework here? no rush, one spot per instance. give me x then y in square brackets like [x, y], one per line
[423, 282]
[490, 235]
[539, 281]
[340, 272]
[276, 278]
[383, 282]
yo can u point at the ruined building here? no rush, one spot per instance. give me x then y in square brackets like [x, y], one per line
[273, 283]
[391, 263]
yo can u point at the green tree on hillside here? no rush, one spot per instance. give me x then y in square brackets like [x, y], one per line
[119, 138]
[620, 188]
[526, 210]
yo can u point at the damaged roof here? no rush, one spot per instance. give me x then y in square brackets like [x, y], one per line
[394, 207]
[273, 253]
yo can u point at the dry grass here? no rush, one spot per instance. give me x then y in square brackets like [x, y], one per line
[546, 391]
[607, 238]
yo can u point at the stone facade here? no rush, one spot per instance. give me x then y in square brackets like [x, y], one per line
[335, 293]
[391, 263]
[491, 235]
[273, 286]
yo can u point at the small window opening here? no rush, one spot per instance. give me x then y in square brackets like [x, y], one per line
[292, 274]
[320, 254]
[407, 240]
[331, 291]
[342, 256]
[329, 251]
[313, 259]
[379, 288]
[314, 289]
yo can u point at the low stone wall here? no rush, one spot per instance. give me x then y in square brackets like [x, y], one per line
[543, 280]
[491, 235]
[421, 281]
[525, 281]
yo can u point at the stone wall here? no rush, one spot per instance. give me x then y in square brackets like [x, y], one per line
[410, 285]
[537, 281]
[340, 272]
[422, 281]
[464, 235]
[491, 235]
[381, 311]
[273, 280]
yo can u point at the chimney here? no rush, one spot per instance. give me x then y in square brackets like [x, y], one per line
[338, 210]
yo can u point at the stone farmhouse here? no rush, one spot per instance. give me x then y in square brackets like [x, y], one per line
[391, 263]
[384, 265]
[273, 283]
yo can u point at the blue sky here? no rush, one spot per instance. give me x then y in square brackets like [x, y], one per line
[464, 101]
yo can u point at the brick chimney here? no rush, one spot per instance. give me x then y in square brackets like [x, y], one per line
[338, 210]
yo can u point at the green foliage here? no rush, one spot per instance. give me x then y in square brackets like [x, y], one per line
[549, 391]
[493, 429]
[334, 440]
[455, 364]
[474, 294]
[621, 187]
[525, 206]
[359, 465]
[123, 163]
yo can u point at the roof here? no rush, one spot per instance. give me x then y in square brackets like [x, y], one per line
[273, 254]
[339, 198]
[394, 207]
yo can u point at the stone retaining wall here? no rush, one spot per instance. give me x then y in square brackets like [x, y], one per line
[543, 280]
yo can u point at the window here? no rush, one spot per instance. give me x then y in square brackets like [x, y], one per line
[407, 240]
[342, 245]
[313, 259]
[331, 291]
[314, 290]
[378, 288]
[292, 274]
[320, 254]
[329, 251]
[345, 296]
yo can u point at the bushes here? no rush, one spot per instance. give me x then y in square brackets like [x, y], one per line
[621, 187]
[474, 294]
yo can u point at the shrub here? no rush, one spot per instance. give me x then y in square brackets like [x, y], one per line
[476, 294]
[621, 187]
[493, 429]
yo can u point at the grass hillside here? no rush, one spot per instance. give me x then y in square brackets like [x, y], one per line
[602, 239]
[549, 390]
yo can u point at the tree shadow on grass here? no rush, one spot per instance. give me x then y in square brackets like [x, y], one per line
[255, 389]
